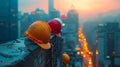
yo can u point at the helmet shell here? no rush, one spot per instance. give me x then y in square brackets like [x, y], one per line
[56, 26]
[39, 32]
[65, 58]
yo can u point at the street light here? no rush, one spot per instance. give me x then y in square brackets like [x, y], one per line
[63, 24]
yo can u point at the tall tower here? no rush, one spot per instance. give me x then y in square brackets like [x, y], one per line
[70, 29]
[50, 5]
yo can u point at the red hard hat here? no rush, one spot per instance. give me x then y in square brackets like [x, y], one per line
[55, 25]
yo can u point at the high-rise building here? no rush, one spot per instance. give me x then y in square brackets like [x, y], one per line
[70, 29]
[54, 14]
[50, 7]
[108, 44]
[27, 19]
[8, 20]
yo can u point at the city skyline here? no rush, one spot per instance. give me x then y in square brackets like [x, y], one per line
[87, 9]
[83, 7]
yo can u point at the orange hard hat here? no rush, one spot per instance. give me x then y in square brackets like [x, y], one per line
[39, 32]
[66, 58]
[56, 26]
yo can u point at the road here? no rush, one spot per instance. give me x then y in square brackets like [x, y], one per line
[85, 52]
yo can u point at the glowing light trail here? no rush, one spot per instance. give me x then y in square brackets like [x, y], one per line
[86, 53]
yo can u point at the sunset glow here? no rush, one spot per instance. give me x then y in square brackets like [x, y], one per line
[83, 7]
[87, 6]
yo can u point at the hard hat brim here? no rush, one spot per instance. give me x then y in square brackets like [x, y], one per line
[45, 46]
[58, 35]
[38, 42]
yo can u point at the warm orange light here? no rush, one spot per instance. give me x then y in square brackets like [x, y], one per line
[90, 52]
[79, 39]
[78, 32]
[84, 47]
[79, 36]
[90, 62]
[90, 65]
[84, 55]
[77, 48]
[81, 52]
[97, 52]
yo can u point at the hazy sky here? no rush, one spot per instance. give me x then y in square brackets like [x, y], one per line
[83, 7]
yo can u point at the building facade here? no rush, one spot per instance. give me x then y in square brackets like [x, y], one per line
[108, 45]
[70, 29]
[27, 19]
[8, 20]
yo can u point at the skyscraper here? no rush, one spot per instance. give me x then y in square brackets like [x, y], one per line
[108, 44]
[8, 20]
[50, 7]
[54, 14]
[70, 29]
